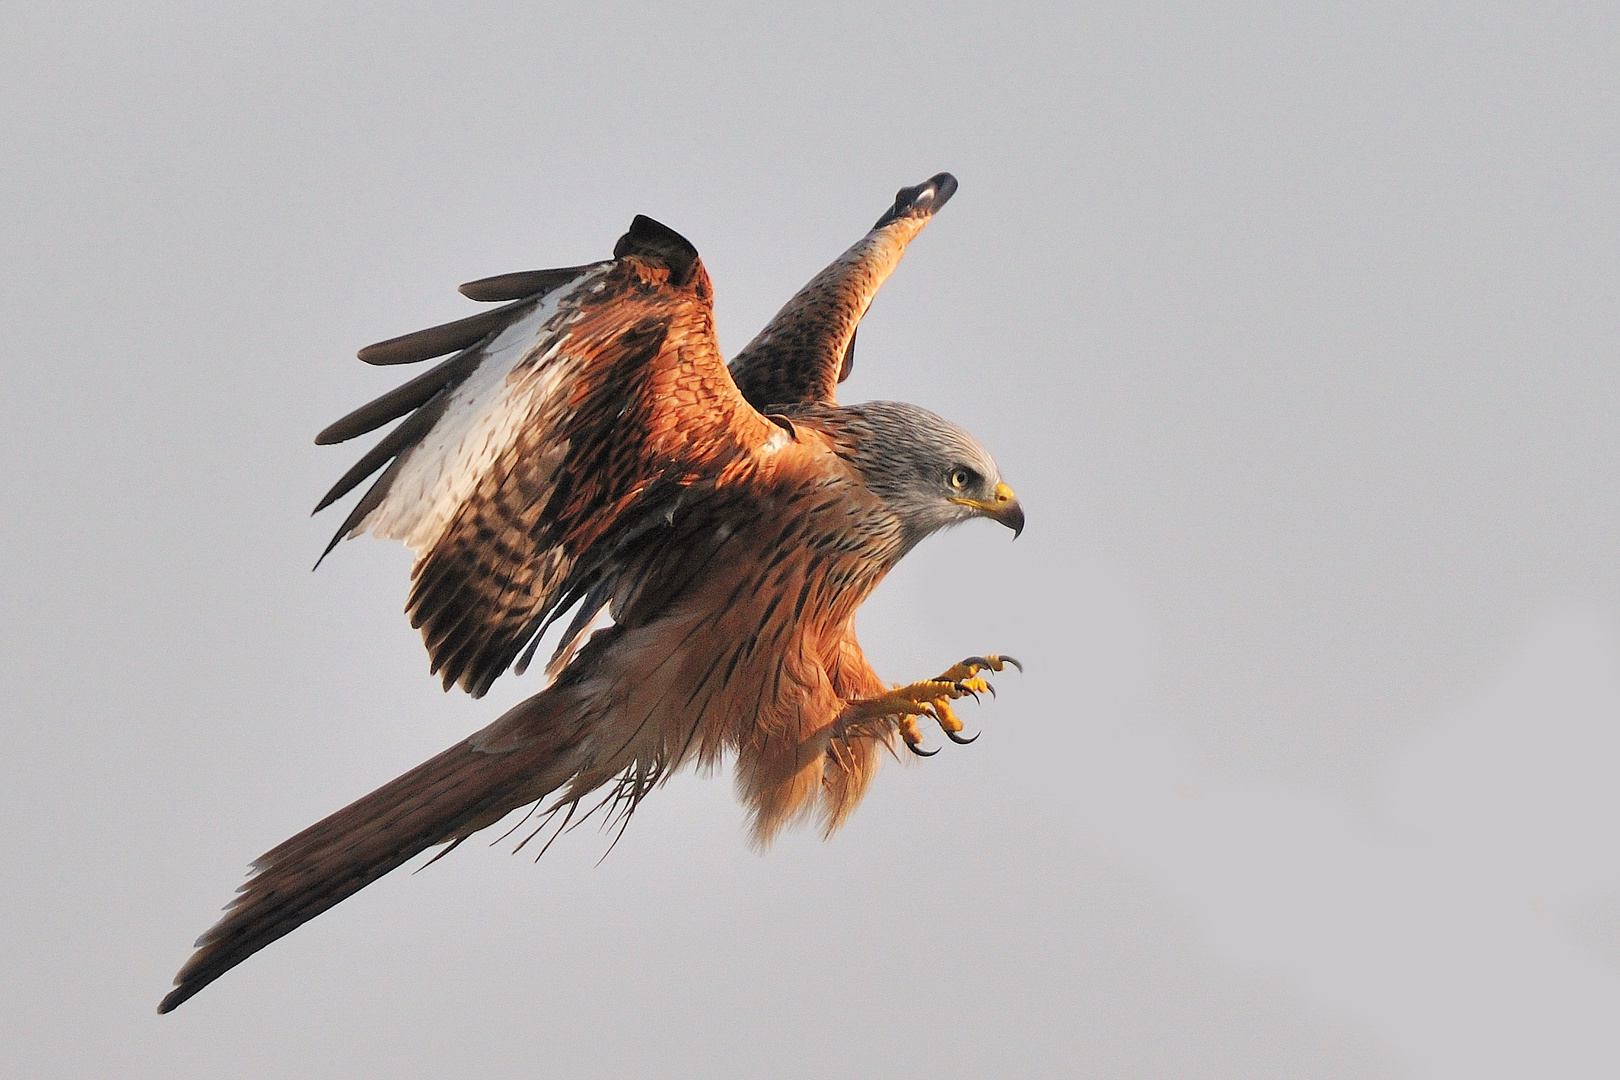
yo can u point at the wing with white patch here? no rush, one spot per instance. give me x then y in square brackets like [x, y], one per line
[568, 421]
[809, 347]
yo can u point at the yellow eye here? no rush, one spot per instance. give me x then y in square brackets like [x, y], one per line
[960, 478]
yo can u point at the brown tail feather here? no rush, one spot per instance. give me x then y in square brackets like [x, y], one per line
[448, 798]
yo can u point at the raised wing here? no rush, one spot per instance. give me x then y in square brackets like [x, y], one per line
[568, 422]
[809, 347]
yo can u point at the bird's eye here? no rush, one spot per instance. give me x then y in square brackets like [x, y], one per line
[960, 478]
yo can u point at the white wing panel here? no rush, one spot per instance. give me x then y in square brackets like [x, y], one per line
[481, 421]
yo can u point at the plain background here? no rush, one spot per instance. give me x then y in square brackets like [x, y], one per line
[1295, 333]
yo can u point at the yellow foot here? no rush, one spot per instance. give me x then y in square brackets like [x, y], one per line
[930, 698]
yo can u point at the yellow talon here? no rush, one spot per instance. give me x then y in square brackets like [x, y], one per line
[928, 697]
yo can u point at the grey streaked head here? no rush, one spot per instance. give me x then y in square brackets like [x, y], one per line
[931, 473]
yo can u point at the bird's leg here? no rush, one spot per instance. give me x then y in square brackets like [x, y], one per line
[930, 698]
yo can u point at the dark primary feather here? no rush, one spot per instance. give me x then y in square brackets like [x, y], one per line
[446, 337]
[390, 451]
[522, 284]
[403, 398]
[386, 450]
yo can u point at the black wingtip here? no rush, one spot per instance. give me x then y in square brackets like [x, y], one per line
[655, 240]
[924, 200]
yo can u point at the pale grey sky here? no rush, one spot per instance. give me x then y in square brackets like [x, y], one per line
[1296, 335]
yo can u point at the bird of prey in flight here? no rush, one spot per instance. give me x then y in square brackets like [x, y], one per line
[586, 449]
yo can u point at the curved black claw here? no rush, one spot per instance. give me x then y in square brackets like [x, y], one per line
[919, 751]
[959, 741]
[968, 691]
[993, 663]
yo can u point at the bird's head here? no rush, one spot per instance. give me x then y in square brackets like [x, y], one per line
[930, 472]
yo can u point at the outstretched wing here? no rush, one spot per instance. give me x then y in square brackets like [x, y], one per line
[809, 347]
[570, 420]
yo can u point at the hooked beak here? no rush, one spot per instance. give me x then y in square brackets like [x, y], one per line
[1003, 507]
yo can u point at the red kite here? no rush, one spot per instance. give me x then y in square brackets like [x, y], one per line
[713, 531]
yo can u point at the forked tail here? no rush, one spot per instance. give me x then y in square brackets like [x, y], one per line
[467, 788]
